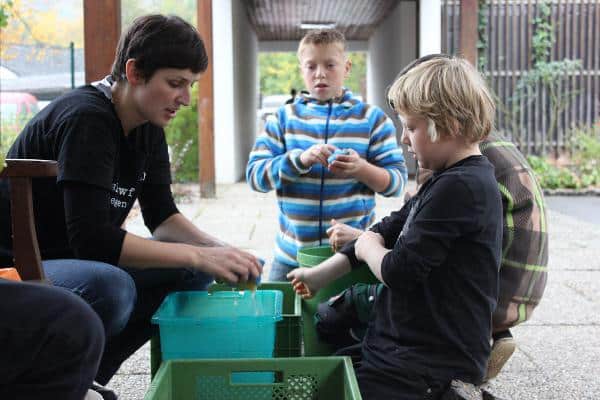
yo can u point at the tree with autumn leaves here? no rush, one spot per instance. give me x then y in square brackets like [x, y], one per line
[59, 22]
[44, 25]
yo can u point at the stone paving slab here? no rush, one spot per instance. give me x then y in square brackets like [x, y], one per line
[571, 297]
[552, 362]
[538, 386]
[559, 348]
[131, 386]
[574, 243]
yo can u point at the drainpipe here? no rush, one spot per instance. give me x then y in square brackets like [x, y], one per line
[72, 51]
[323, 178]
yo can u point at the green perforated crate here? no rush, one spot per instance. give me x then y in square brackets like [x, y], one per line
[314, 378]
[288, 331]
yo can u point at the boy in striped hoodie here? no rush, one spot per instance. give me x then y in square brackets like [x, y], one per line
[295, 154]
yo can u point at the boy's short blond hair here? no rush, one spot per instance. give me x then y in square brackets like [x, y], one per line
[448, 91]
[322, 37]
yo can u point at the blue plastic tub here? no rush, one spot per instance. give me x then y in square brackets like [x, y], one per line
[228, 324]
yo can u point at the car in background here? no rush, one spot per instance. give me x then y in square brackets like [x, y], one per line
[16, 108]
[270, 104]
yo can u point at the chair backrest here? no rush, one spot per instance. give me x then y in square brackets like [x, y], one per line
[26, 251]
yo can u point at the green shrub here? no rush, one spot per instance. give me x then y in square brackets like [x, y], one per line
[182, 138]
[585, 150]
[9, 130]
[583, 170]
[551, 176]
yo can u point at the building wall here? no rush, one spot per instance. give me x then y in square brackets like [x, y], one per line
[245, 101]
[222, 60]
[393, 45]
[430, 31]
[235, 49]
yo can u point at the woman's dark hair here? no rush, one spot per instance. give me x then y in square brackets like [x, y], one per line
[159, 41]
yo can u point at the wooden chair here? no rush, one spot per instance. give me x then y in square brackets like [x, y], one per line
[26, 251]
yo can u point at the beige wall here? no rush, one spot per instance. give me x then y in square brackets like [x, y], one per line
[391, 47]
[245, 72]
[235, 49]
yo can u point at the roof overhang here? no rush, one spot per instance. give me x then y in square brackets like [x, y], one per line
[283, 20]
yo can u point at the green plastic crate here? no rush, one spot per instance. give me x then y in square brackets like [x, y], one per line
[310, 257]
[314, 378]
[288, 331]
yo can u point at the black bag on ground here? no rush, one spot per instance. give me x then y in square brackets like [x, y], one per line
[342, 320]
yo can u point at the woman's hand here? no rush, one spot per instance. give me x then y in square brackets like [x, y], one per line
[340, 234]
[228, 263]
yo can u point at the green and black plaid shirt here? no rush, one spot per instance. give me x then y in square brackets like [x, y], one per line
[523, 271]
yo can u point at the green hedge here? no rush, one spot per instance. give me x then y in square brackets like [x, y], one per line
[182, 138]
[583, 170]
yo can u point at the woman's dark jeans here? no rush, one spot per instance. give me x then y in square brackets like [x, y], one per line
[125, 300]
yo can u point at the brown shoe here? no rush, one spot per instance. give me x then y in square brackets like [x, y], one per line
[502, 350]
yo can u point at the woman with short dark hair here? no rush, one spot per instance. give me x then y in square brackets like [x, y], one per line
[110, 146]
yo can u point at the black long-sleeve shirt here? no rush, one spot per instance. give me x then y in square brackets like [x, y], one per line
[101, 172]
[441, 277]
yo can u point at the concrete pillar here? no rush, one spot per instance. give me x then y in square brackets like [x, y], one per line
[430, 27]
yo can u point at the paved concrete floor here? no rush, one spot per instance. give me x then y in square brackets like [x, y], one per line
[559, 348]
[586, 208]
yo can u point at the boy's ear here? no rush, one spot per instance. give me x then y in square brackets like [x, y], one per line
[131, 73]
[348, 68]
[454, 128]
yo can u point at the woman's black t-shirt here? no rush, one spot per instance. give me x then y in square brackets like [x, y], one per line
[101, 172]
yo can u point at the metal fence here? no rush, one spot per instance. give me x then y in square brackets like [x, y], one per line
[508, 33]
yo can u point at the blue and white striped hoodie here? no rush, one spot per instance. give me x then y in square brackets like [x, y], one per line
[309, 198]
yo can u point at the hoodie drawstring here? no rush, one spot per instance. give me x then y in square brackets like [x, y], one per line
[323, 176]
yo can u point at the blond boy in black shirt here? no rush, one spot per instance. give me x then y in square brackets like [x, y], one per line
[438, 257]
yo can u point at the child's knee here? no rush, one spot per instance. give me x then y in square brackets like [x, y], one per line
[77, 324]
